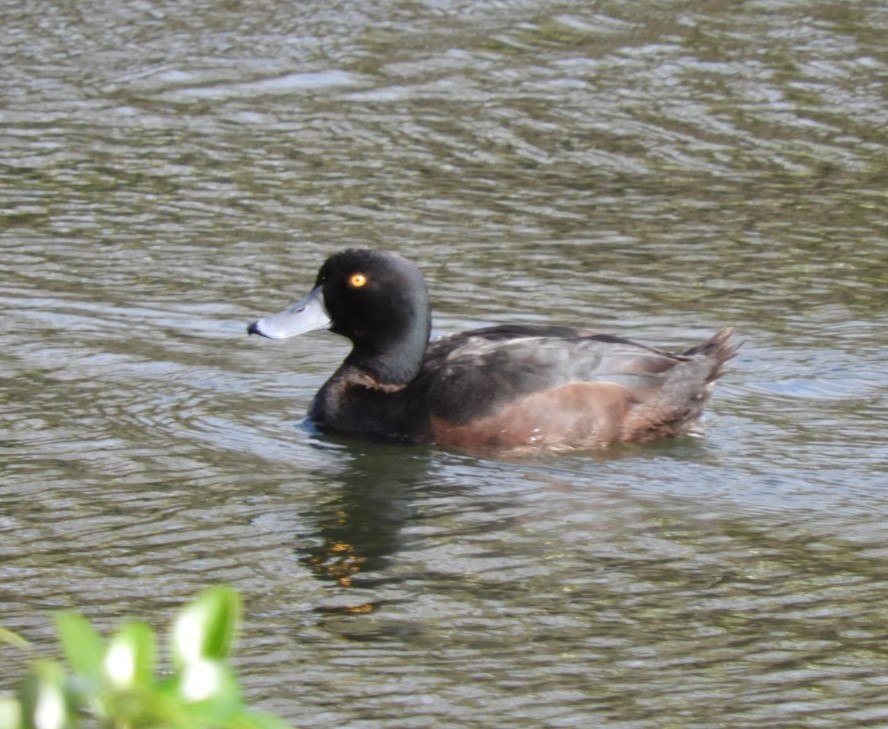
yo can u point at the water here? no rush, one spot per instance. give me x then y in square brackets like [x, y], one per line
[658, 170]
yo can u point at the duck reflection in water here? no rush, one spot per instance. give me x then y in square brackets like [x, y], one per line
[359, 528]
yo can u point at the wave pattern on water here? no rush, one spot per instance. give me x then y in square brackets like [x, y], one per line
[657, 170]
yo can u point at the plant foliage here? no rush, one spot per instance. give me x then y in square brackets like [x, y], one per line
[117, 682]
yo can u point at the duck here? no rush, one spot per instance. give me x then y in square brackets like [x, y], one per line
[509, 386]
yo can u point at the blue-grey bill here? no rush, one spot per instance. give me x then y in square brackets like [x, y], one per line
[303, 316]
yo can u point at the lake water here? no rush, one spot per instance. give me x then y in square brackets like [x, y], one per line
[170, 171]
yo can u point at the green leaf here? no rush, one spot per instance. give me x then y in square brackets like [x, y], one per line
[210, 694]
[143, 708]
[83, 646]
[206, 628]
[7, 636]
[44, 701]
[10, 713]
[209, 681]
[129, 660]
[113, 685]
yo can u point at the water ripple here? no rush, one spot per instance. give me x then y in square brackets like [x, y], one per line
[171, 173]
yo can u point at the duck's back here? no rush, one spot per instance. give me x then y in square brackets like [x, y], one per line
[513, 386]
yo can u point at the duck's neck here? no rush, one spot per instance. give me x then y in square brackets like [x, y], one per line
[364, 395]
[396, 357]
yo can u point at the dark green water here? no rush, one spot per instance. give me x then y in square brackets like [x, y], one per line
[659, 170]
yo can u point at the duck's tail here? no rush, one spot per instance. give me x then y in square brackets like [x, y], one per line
[719, 348]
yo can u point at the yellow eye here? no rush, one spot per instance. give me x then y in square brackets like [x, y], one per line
[357, 280]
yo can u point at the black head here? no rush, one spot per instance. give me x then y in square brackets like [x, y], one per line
[377, 299]
[372, 296]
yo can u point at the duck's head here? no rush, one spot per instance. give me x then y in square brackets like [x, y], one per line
[377, 299]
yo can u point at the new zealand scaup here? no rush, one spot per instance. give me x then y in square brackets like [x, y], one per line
[504, 386]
